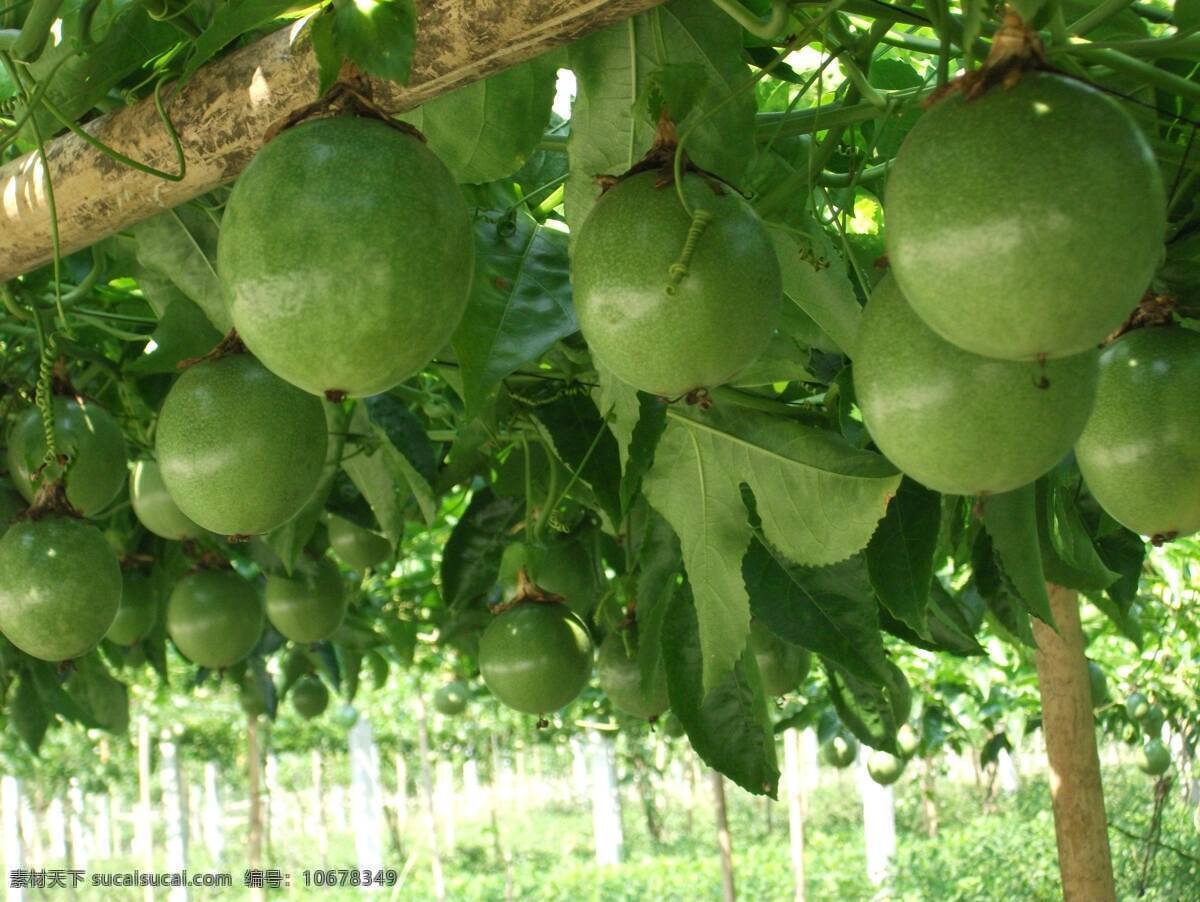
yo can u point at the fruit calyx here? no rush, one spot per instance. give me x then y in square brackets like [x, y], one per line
[528, 590]
[1153, 311]
[1016, 49]
[51, 498]
[229, 345]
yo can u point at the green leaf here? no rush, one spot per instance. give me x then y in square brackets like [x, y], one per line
[181, 246]
[815, 280]
[105, 698]
[659, 563]
[651, 423]
[231, 20]
[325, 49]
[183, 332]
[1187, 14]
[385, 476]
[520, 303]
[802, 606]
[1011, 520]
[818, 498]
[900, 554]
[1124, 552]
[471, 558]
[612, 68]
[487, 130]
[728, 726]
[580, 438]
[1009, 614]
[378, 36]
[870, 711]
[29, 714]
[673, 90]
[1069, 557]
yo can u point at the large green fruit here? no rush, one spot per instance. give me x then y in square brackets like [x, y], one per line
[1153, 758]
[309, 605]
[138, 611]
[536, 656]
[1140, 451]
[214, 617]
[1136, 706]
[907, 741]
[310, 698]
[240, 450]
[840, 751]
[154, 508]
[781, 665]
[654, 327]
[451, 699]
[1026, 222]
[358, 548]
[11, 505]
[1098, 684]
[347, 253]
[957, 422]
[93, 443]
[60, 586]
[620, 677]
[884, 768]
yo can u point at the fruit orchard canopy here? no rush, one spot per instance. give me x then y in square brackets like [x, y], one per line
[222, 113]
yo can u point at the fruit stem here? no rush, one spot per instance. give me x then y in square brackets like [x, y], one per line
[767, 29]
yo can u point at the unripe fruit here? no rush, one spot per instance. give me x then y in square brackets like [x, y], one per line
[60, 586]
[251, 700]
[1136, 706]
[907, 741]
[1098, 684]
[662, 325]
[1139, 452]
[957, 422]
[673, 726]
[535, 657]
[240, 450]
[93, 443]
[885, 769]
[840, 751]
[1011, 236]
[137, 612]
[309, 605]
[1153, 758]
[310, 698]
[620, 677]
[155, 508]
[214, 617]
[451, 699]
[781, 666]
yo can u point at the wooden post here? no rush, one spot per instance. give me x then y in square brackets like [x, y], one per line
[144, 826]
[879, 824]
[435, 855]
[794, 787]
[254, 829]
[366, 799]
[224, 110]
[212, 822]
[174, 819]
[724, 841]
[1080, 823]
[10, 811]
[608, 836]
[317, 802]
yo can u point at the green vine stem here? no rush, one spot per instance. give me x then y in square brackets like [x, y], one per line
[32, 37]
[768, 29]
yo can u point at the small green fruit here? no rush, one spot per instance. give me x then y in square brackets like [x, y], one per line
[907, 741]
[240, 450]
[1098, 684]
[1011, 236]
[138, 611]
[1139, 453]
[535, 657]
[885, 769]
[451, 699]
[840, 751]
[214, 617]
[310, 698]
[309, 605]
[1136, 706]
[356, 547]
[661, 329]
[346, 716]
[251, 699]
[60, 587]
[673, 726]
[1153, 758]
[154, 507]
[781, 666]
[957, 422]
[94, 446]
[1153, 722]
[620, 677]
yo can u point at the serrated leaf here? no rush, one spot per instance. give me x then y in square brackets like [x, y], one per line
[819, 501]
[1011, 520]
[815, 280]
[487, 130]
[871, 712]
[378, 36]
[181, 246]
[728, 726]
[900, 554]
[28, 713]
[580, 439]
[385, 476]
[651, 423]
[520, 303]
[1124, 552]
[105, 698]
[471, 558]
[1009, 614]
[659, 563]
[230, 20]
[1069, 556]
[671, 90]
[612, 67]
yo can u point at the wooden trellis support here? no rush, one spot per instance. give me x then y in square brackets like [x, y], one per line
[222, 113]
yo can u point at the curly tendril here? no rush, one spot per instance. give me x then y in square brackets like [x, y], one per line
[45, 396]
[679, 269]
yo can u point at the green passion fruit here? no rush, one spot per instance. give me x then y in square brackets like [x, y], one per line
[1136, 706]
[240, 450]
[153, 506]
[11, 506]
[451, 699]
[840, 751]
[1153, 758]
[782, 666]
[1097, 684]
[666, 320]
[1153, 722]
[137, 612]
[310, 698]
[346, 252]
[908, 741]
[957, 422]
[1139, 453]
[214, 617]
[884, 768]
[536, 656]
[358, 548]
[60, 587]
[309, 605]
[1013, 236]
[93, 443]
[620, 677]
[251, 699]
